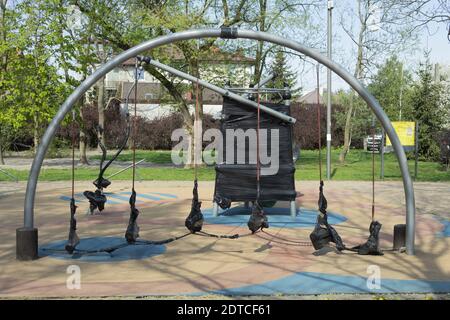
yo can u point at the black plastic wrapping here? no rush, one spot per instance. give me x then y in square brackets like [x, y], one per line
[258, 220]
[237, 181]
[96, 200]
[73, 240]
[194, 221]
[371, 247]
[323, 233]
[132, 232]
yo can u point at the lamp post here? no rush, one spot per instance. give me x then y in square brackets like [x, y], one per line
[329, 34]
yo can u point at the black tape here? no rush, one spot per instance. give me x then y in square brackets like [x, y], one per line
[228, 32]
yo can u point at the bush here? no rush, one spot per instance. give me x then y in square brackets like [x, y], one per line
[156, 134]
[152, 134]
[306, 129]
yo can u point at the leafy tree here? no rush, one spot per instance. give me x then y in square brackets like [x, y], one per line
[391, 86]
[361, 116]
[283, 72]
[124, 24]
[430, 107]
[31, 87]
[382, 28]
[8, 21]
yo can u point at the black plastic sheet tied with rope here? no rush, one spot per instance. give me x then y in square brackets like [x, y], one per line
[258, 219]
[194, 221]
[73, 239]
[323, 232]
[132, 232]
[96, 198]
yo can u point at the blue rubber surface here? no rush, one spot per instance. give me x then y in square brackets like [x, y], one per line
[446, 231]
[321, 283]
[131, 252]
[306, 218]
[124, 197]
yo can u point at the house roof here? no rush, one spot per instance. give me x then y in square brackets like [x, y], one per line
[311, 97]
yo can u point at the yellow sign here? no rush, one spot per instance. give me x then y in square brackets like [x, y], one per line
[405, 131]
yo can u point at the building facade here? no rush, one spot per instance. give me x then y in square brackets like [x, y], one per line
[153, 100]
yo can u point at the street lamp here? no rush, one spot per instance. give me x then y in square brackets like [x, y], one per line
[329, 34]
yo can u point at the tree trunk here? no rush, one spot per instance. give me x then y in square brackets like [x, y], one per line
[196, 141]
[3, 60]
[101, 109]
[347, 133]
[2, 160]
[175, 93]
[260, 45]
[358, 74]
[83, 156]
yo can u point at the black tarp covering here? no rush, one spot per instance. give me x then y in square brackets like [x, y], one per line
[194, 221]
[237, 181]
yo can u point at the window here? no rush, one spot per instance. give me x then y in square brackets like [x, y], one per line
[140, 74]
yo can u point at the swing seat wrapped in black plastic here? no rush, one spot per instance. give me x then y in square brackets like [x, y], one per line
[194, 221]
[96, 200]
[132, 232]
[102, 183]
[258, 220]
[372, 245]
[323, 233]
[73, 240]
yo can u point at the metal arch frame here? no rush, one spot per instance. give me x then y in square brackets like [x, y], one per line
[228, 33]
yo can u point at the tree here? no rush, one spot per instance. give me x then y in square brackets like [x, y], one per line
[124, 24]
[382, 29]
[77, 53]
[425, 12]
[30, 86]
[361, 117]
[430, 107]
[6, 17]
[391, 87]
[283, 72]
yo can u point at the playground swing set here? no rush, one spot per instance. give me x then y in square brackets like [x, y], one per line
[322, 234]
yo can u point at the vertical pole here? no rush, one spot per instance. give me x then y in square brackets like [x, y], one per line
[287, 101]
[373, 168]
[293, 209]
[416, 150]
[215, 209]
[401, 93]
[329, 35]
[383, 139]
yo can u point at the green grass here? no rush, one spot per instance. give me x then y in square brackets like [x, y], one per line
[358, 166]
[158, 157]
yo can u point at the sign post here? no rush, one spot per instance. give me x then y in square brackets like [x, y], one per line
[416, 151]
[383, 139]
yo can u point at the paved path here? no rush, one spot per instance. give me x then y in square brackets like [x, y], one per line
[262, 264]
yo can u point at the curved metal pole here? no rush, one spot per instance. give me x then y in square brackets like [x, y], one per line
[208, 33]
